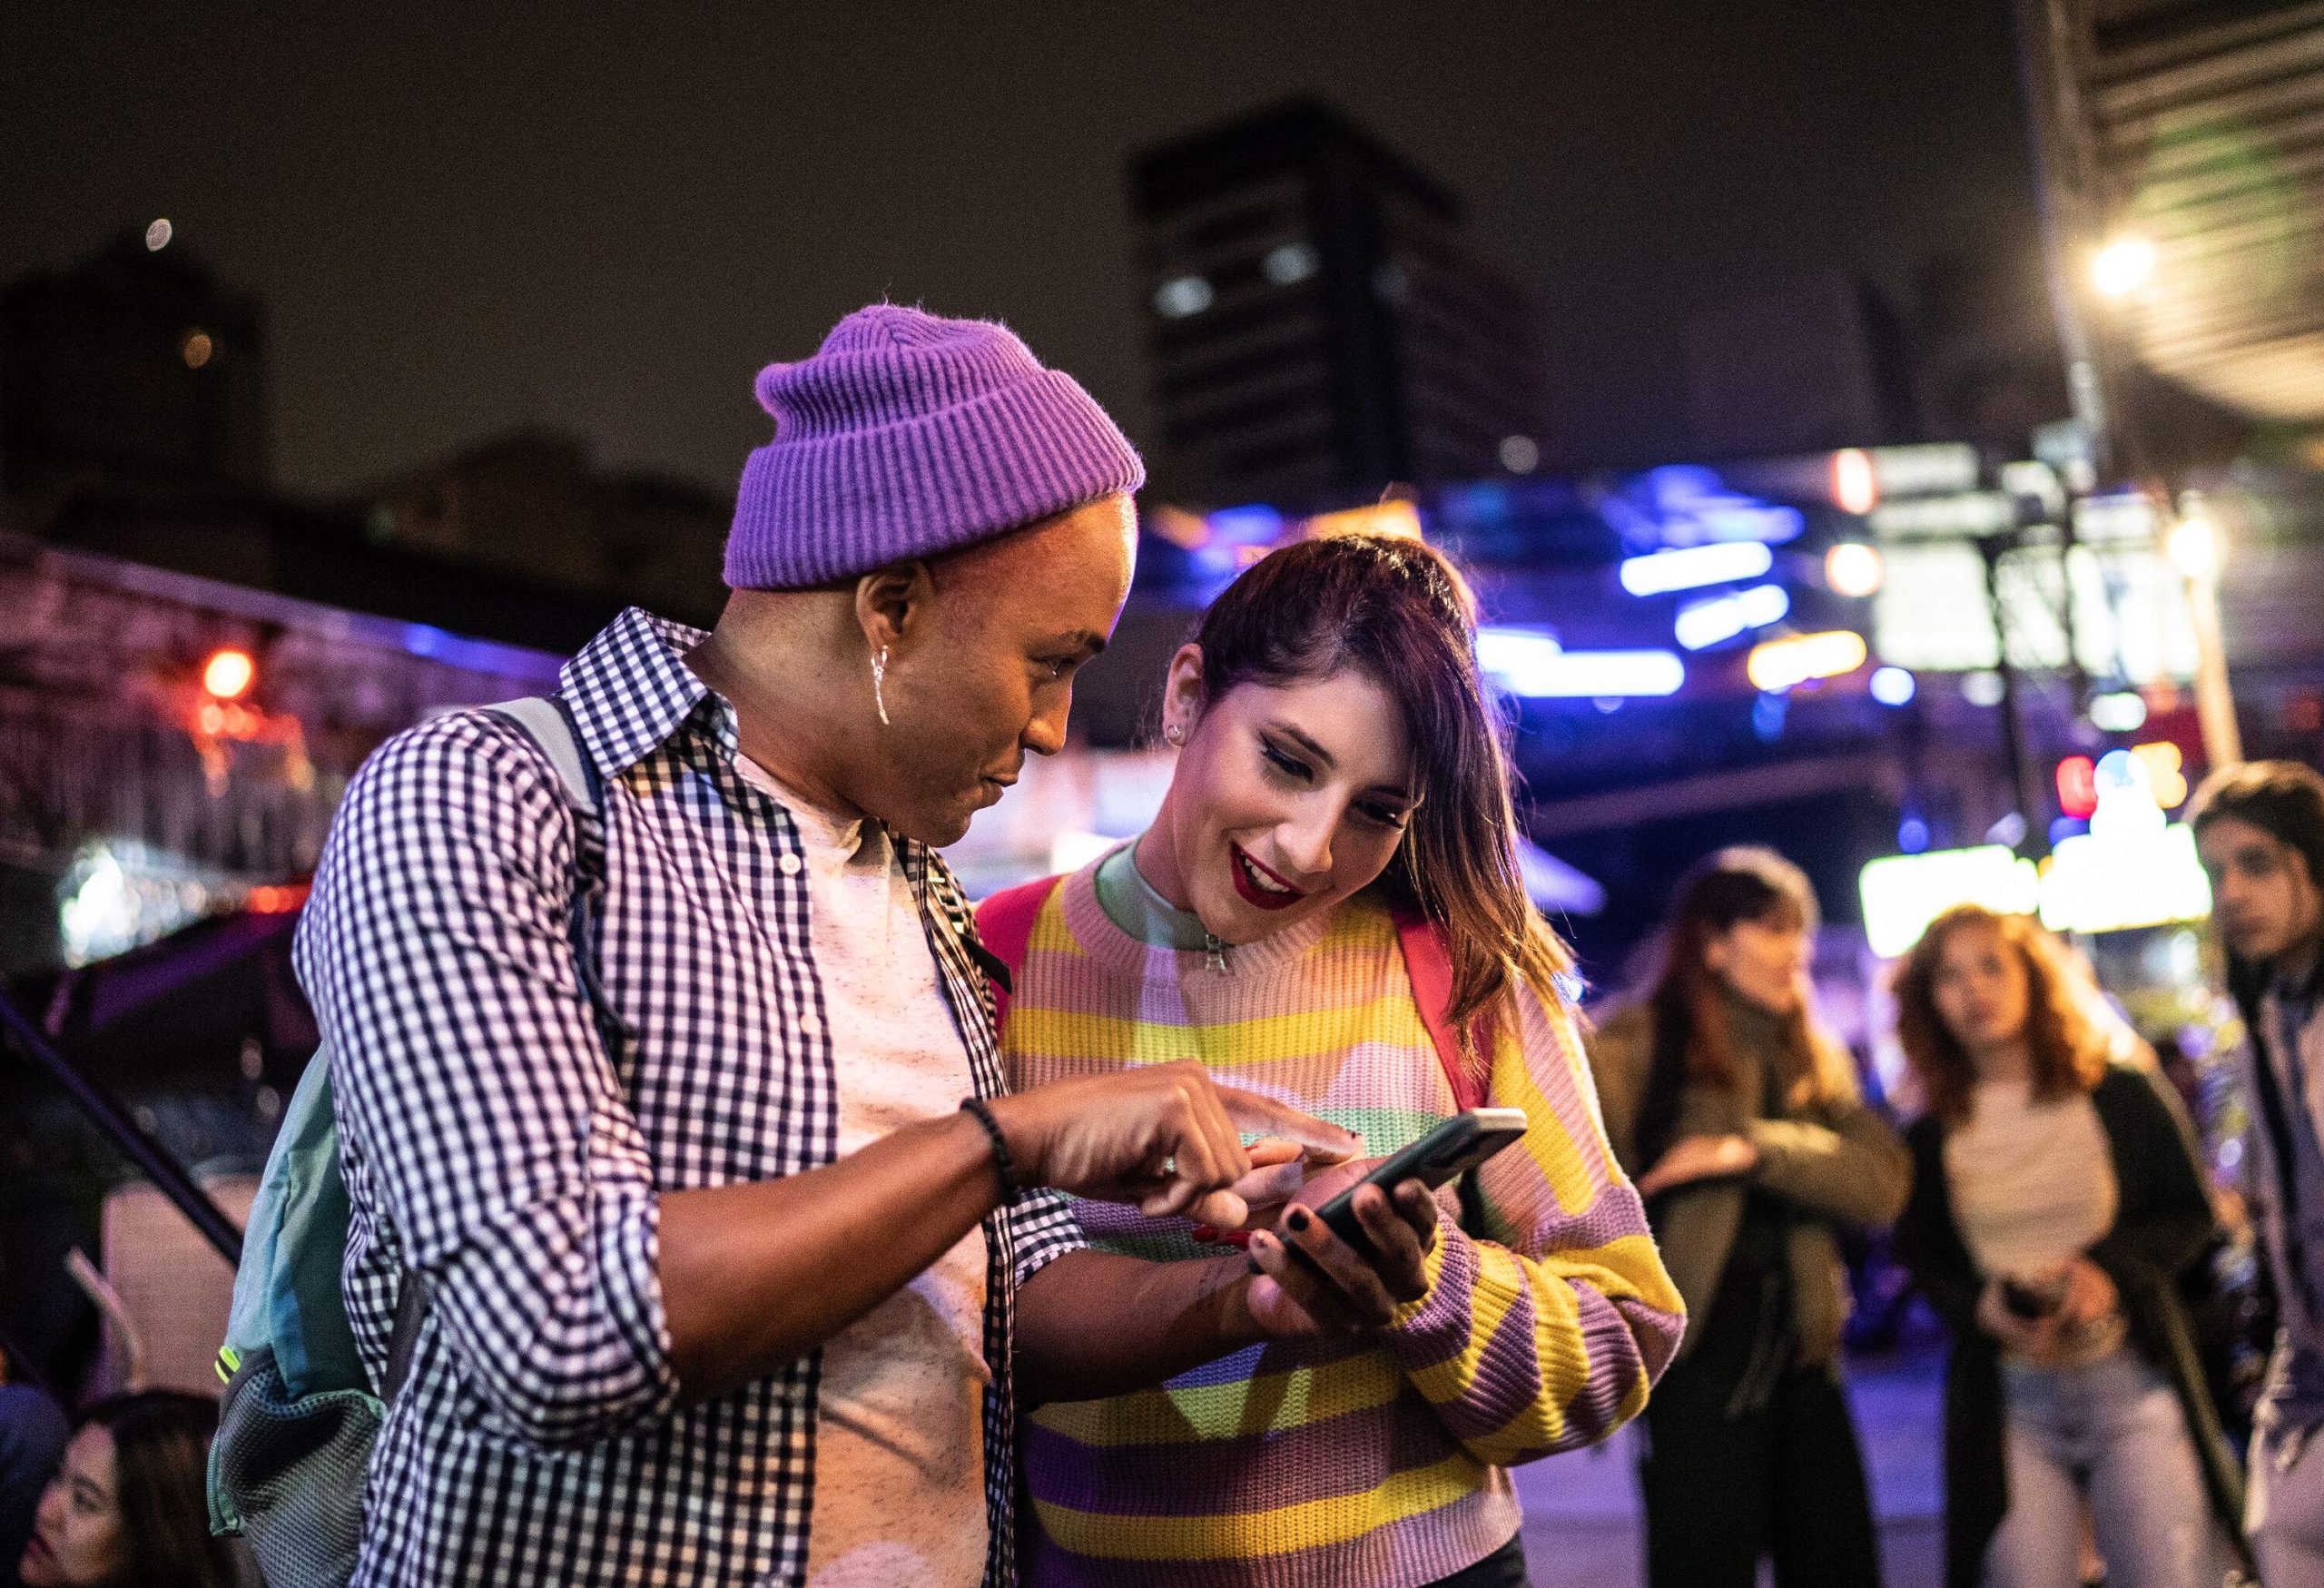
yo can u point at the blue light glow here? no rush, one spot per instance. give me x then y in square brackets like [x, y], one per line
[1694, 566]
[1912, 835]
[1531, 663]
[1767, 715]
[1722, 617]
[1892, 685]
[1684, 504]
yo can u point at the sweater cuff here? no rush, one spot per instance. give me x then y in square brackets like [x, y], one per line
[1440, 1304]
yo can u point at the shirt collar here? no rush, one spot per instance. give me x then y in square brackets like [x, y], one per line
[631, 690]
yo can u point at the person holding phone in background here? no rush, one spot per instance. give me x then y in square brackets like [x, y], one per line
[2056, 1197]
[1741, 1116]
[1337, 828]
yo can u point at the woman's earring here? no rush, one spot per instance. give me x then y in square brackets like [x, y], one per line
[1174, 735]
[878, 678]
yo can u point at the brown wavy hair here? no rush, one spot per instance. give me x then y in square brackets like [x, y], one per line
[1401, 614]
[1692, 1044]
[2067, 1050]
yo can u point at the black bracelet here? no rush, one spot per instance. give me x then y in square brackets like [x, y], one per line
[1003, 1164]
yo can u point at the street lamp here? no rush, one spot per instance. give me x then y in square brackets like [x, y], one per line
[2122, 266]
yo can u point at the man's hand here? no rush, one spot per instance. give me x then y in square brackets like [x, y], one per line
[1699, 1158]
[2089, 1293]
[1164, 1137]
[1335, 1290]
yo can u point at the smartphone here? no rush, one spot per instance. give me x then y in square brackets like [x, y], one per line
[1446, 1153]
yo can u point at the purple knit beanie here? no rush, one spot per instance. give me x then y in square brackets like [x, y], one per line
[907, 435]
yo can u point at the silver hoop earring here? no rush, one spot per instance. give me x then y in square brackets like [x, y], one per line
[878, 679]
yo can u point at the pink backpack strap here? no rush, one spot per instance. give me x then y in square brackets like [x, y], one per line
[1430, 969]
[1005, 923]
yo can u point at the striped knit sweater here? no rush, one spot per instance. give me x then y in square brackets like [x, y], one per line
[1377, 1461]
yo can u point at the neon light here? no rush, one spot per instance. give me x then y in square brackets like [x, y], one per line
[1694, 566]
[1531, 664]
[1784, 664]
[2124, 713]
[2077, 780]
[2113, 882]
[1902, 893]
[2166, 777]
[1722, 617]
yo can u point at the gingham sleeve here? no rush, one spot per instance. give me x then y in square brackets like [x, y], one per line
[468, 1066]
[1549, 1335]
[1044, 1229]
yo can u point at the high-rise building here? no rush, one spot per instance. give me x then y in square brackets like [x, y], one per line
[1319, 322]
[138, 365]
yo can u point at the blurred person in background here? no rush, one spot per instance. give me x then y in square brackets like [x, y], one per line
[126, 1509]
[1339, 771]
[2056, 1200]
[2260, 827]
[1741, 1117]
[33, 1434]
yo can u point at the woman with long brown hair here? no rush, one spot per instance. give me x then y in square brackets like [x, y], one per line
[1327, 909]
[2056, 1197]
[1740, 1115]
[126, 1509]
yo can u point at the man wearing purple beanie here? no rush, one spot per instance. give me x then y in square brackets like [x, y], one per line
[735, 1255]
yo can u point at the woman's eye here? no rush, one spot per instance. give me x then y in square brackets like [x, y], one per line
[1284, 764]
[1385, 815]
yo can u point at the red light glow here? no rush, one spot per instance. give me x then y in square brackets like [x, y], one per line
[229, 674]
[2077, 786]
[1856, 484]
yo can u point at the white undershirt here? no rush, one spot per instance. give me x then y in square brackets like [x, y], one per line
[2033, 1185]
[899, 1490]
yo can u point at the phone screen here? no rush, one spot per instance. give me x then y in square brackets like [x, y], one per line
[1448, 1152]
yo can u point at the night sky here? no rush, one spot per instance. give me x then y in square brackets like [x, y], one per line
[468, 218]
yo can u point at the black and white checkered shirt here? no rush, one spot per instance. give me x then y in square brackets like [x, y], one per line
[501, 1146]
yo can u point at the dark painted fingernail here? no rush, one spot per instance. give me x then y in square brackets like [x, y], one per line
[1299, 1219]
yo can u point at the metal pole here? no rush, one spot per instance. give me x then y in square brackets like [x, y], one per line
[106, 1112]
[2214, 699]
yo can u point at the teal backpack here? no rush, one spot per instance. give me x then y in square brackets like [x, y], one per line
[299, 1415]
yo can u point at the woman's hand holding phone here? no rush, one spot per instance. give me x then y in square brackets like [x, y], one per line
[1309, 1282]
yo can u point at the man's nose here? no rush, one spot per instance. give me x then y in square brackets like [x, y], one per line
[1045, 734]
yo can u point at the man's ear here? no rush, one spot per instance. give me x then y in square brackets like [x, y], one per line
[892, 604]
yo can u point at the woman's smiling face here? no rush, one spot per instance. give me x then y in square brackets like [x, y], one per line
[1287, 798]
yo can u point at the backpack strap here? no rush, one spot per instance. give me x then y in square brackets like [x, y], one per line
[547, 721]
[1430, 970]
[1005, 923]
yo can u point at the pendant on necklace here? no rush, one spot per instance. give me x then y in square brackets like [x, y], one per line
[1217, 952]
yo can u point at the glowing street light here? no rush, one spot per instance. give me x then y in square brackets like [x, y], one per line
[2122, 266]
[1856, 483]
[2193, 547]
[1853, 569]
[229, 674]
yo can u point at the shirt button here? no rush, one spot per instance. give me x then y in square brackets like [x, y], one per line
[811, 1022]
[789, 864]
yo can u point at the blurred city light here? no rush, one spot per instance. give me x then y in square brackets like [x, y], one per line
[2122, 266]
[1519, 454]
[196, 349]
[1289, 262]
[229, 674]
[1722, 617]
[1530, 663]
[1853, 569]
[2116, 881]
[1693, 567]
[1892, 685]
[157, 236]
[2193, 547]
[2123, 712]
[1856, 487]
[1983, 687]
[2077, 784]
[2166, 774]
[1181, 296]
[1902, 893]
[1783, 664]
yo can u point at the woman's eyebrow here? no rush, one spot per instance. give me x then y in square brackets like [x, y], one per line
[1304, 742]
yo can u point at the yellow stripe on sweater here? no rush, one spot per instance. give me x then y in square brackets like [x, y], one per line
[1278, 1529]
[1391, 1019]
[1269, 1403]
